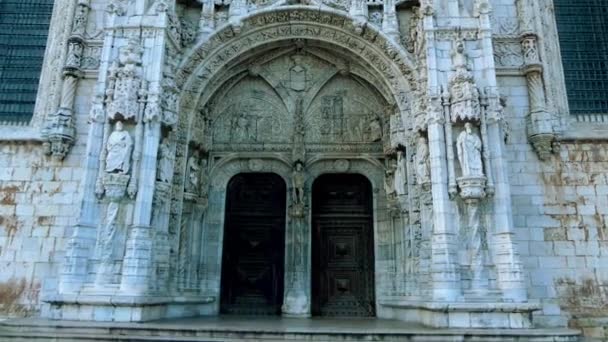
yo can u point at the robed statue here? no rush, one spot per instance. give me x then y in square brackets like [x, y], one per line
[119, 149]
[469, 152]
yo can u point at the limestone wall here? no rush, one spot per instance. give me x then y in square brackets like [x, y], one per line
[38, 208]
[560, 210]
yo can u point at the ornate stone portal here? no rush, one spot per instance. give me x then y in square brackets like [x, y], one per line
[300, 92]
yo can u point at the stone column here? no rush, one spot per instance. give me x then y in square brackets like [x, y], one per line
[138, 265]
[506, 257]
[445, 280]
[444, 275]
[59, 132]
[539, 121]
[82, 242]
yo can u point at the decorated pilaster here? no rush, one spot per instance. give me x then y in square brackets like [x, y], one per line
[509, 269]
[59, 132]
[129, 164]
[297, 297]
[540, 122]
[77, 261]
[445, 279]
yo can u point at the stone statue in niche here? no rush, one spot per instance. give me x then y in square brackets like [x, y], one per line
[298, 179]
[74, 57]
[193, 170]
[389, 180]
[119, 149]
[164, 170]
[297, 74]
[375, 129]
[400, 175]
[241, 128]
[423, 169]
[468, 145]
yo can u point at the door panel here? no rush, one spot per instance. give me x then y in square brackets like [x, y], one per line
[254, 245]
[343, 262]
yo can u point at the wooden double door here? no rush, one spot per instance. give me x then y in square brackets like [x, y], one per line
[342, 247]
[253, 261]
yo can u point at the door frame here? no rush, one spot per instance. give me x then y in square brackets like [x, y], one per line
[228, 165]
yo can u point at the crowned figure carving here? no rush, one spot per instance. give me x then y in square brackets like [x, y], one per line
[463, 91]
[125, 81]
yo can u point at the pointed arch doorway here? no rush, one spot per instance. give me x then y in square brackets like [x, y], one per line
[254, 245]
[342, 247]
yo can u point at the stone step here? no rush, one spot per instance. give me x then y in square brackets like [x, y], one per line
[255, 329]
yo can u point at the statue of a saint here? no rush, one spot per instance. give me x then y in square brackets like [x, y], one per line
[164, 169]
[119, 149]
[400, 175]
[193, 169]
[389, 179]
[375, 129]
[423, 170]
[468, 145]
[298, 180]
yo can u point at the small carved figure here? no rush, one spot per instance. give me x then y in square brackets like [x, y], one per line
[468, 145]
[400, 175]
[297, 74]
[389, 179]
[74, 55]
[240, 128]
[119, 149]
[298, 180]
[164, 169]
[193, 171]
[423, 170]
[375, 129]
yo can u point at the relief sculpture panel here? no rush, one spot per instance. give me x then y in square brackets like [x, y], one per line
[344, 111]
[258, 111]
[252, 113]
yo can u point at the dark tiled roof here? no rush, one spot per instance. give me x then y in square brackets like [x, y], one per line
[24, 26]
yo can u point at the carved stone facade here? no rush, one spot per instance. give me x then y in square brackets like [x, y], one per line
[164, 102]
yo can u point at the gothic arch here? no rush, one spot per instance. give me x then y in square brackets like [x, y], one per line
[261, 29]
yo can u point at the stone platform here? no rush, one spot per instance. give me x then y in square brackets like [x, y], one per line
[234, 328]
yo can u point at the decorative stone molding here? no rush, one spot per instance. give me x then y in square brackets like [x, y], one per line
[539, 121]
[59, 131]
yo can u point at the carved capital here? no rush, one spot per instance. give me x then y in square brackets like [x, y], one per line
[59, 133]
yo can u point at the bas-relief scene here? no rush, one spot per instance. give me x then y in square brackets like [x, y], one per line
[336, 107]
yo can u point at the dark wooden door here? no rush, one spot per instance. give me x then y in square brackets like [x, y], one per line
[342, 247]
[254, 245]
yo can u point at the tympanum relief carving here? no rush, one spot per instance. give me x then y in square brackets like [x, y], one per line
[297, 92]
